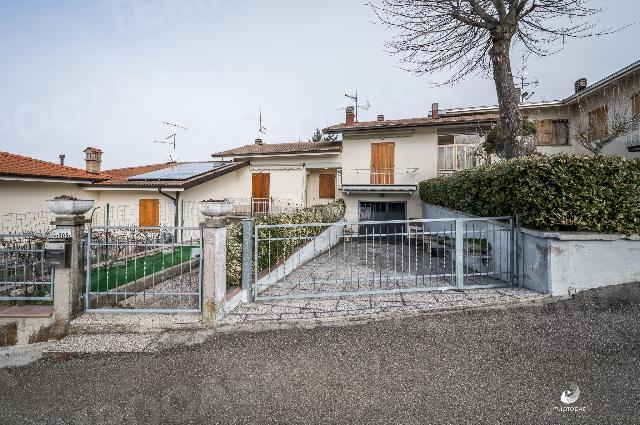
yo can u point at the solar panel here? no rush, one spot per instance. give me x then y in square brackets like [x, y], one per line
[182, 171]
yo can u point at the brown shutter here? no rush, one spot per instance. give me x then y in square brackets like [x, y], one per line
[382, 163]
[260, 187]
[598, 127]
[635, 107]
[149, 212]
[327, 186]
[544, 132]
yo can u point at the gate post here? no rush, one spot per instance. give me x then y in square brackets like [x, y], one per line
[247, 260]
[214, 268]
[67, 257]
[459, 253]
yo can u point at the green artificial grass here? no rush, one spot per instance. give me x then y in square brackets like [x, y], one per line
[106, 278]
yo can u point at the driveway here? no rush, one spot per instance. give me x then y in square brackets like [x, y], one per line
[507, 365]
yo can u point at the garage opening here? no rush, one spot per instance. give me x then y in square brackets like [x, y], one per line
[382, 211]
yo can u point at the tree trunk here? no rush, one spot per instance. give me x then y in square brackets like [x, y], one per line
[508, 98]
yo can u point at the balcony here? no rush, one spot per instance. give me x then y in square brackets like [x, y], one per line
[633, 139]
[248, 207]
[452, 158]
[392, 180]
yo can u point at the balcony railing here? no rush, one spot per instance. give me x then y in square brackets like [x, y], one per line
[246, 207]
[377, 177]
[452, 158]
[633, 139]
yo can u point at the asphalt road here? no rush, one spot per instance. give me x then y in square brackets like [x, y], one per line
[499, 366]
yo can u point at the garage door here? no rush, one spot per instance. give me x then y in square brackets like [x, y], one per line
[382, 211]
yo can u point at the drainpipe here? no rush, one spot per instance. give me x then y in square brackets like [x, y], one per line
[175, 215]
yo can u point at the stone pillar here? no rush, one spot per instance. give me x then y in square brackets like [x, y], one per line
[69, 273]
[214, 273]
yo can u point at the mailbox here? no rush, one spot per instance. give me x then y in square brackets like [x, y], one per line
[57, 253]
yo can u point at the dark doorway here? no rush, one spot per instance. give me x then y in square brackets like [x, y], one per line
[382, 211]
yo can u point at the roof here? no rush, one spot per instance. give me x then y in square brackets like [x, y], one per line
[124, 177]
[22, 166]
[281, 148]
[413, 122]
[621, 73]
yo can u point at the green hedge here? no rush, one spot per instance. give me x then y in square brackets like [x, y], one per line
[559, 192]
[328, 213]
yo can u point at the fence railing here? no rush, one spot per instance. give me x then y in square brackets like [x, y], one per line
[143, 268]
[378, 176]
[357, 258]
[29, 222]
[24, 275]
[633, 138]
[247, 207]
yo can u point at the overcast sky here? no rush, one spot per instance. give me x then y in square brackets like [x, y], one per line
[106, 73]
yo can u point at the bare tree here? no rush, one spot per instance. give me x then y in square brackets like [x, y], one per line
[469, 36]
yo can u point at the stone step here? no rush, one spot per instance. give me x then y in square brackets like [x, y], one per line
[113, 323]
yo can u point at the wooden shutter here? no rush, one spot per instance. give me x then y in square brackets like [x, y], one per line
[260, 187]
[598, 122]
[382, 163]
[327, 186]
[635, 107]
[544, 132]
[149, 212]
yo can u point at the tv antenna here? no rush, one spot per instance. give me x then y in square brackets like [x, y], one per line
[526, 82]
[261, 128]
[354, 97]
[171, 140]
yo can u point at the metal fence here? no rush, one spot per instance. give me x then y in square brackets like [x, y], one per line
[24, 276]
[372, 257]
[143, 269]
[29, 222]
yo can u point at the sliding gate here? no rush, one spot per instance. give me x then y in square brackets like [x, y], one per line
[377, 257]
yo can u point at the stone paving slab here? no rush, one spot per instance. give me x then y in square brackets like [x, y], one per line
[275, 312]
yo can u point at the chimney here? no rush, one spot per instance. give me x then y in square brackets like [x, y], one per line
[61, 159]
[380, 117]
[435, 114]
[351, 115]
[93, 159]
[580, 85]
[258, 141]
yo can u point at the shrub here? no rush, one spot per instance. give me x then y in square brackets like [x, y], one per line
[560, 192]
[328, 213]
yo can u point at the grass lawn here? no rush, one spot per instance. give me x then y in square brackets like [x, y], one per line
[106, 278]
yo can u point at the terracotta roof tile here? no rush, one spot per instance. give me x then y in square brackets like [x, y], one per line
[17, 165]
[281, 148]
[413, 122]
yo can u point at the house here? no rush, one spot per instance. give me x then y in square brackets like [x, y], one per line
[285, 175]
[589, 109]
[163, 194]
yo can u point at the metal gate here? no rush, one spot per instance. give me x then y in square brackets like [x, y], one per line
[24, 275]
[143, 269]
[377, 257]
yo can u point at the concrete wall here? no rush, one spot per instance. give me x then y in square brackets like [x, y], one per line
[28, 196]
[560, 263]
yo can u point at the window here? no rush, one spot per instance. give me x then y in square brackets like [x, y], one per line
[149, 212]
[552, 132]
[598, 123]
[327, 186]
[560, 132]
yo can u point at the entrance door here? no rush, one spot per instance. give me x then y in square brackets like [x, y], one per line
[382, 211]
[382, 163]
[260, 192]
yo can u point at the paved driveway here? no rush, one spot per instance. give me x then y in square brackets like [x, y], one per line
[501, 366]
